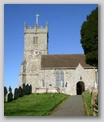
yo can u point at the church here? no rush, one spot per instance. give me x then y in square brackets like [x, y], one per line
[64, 73]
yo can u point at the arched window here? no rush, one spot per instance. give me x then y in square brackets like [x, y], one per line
[59, 79]
[62, 78]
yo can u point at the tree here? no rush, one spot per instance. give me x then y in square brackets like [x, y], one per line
[89, 38]
[5, 91]
[10, 89]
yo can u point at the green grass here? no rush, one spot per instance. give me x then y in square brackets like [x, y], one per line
[87, 100]
[33, 104]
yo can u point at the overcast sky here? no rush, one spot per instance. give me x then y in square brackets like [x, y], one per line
[64, 21]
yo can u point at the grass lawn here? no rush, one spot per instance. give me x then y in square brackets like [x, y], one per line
[87, 100]
[33, 104]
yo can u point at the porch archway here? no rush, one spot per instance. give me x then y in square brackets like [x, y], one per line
[80, 87]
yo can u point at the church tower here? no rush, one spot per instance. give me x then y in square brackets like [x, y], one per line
[35, 45]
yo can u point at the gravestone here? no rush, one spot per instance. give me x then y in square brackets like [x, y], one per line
[20, 92]
[24, 88]
[16, 93]
[27, 89]
[10, 96]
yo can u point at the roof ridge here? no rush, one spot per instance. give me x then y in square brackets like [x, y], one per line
[64, 54]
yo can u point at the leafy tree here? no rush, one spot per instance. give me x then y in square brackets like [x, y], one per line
[89, 38]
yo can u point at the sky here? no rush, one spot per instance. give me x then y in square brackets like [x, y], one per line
[64, 22]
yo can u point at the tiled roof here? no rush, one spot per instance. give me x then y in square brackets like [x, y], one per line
[67, 60]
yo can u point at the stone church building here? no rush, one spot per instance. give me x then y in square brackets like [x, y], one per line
[65, 73]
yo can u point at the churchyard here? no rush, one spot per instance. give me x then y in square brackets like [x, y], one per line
[25, 103]
[25, 89]
[33, 104]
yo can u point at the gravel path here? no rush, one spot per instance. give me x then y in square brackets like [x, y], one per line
[72, 106]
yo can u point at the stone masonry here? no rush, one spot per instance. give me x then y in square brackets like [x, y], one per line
[35, 44]
[68, 74]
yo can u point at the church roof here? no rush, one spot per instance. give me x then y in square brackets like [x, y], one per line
[64, 60]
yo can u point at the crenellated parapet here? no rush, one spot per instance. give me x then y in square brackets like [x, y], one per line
[35, 29]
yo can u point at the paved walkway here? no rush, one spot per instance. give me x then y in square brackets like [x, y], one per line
[72, 106]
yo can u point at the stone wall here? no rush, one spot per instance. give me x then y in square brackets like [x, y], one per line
[32, 59]
[71, 77]
[94, 101]
[32, 73]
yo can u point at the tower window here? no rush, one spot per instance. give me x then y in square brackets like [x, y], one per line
[35, 40]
